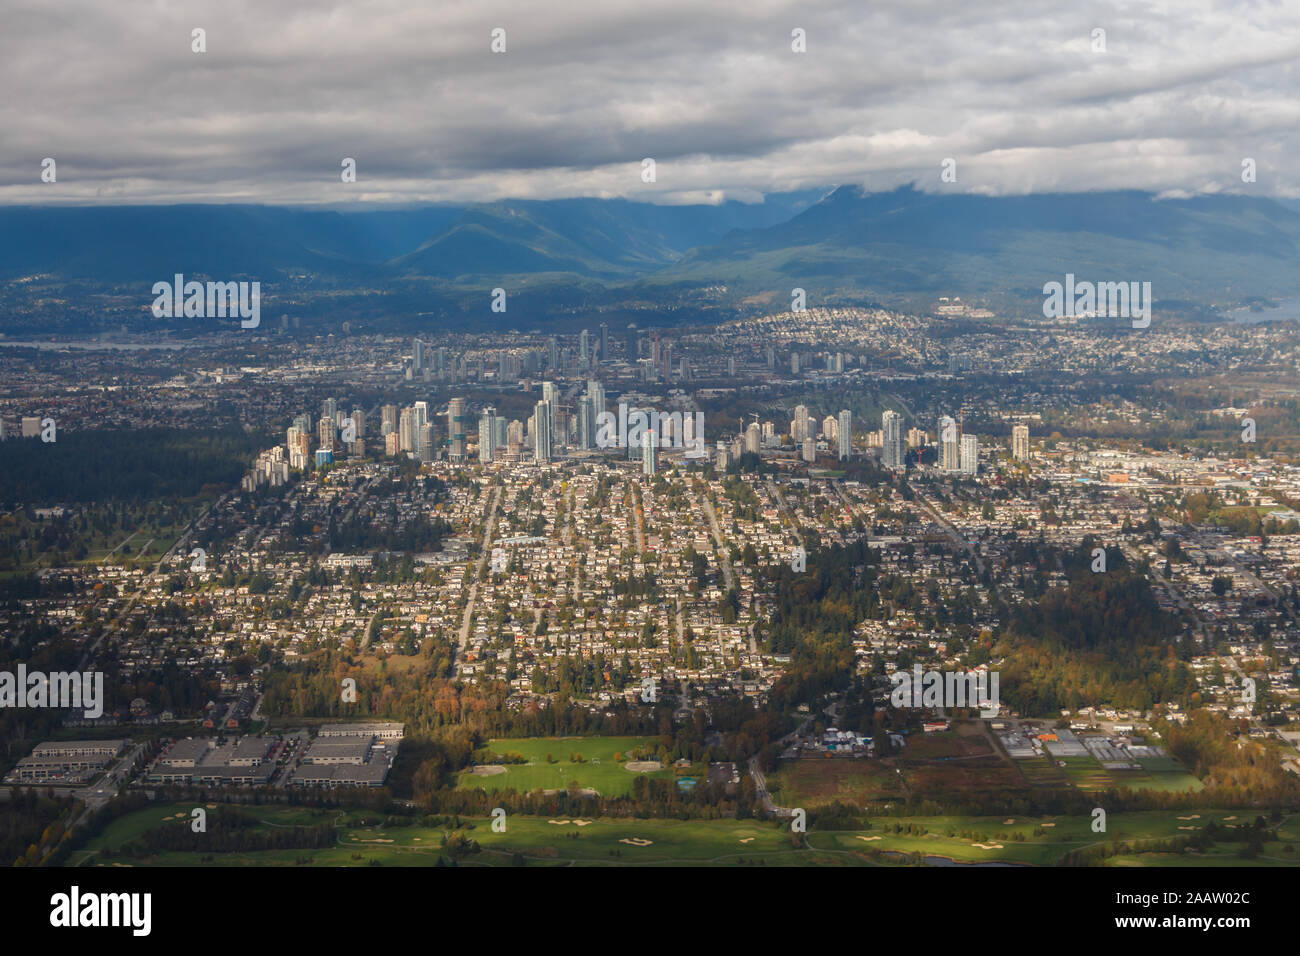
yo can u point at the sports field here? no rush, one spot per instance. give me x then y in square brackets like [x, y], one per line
[603, 764]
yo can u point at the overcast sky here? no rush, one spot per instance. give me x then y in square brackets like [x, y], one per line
[886, 91]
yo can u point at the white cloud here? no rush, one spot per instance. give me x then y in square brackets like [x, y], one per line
[884, 93]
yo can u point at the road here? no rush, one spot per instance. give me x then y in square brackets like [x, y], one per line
[637, 513]
[907, 409]
[568, 517]
[760, 781]
[947, 526]
[1209, 542]
[785, 510]
[119, 547]
[1132, 556]
[573, 584]
[760, 789]
[107, 788]
[485, 552]
[146, 581]
[848, 506]
[723, 560]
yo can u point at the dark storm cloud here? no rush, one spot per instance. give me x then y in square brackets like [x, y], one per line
[1014, 92]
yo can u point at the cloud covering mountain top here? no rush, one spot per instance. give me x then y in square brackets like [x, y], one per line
[1014, 92]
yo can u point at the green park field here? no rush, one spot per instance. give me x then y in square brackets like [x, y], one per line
[603, 766]
[93, 537]
[367, 839]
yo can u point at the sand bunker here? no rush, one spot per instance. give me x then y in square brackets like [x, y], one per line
[487, 770]
[988, 846]
[1188, 828]
[747, 840]
[636, 841]
[870, 838]
[1049, 824]
[1007, 823]
[558, 823]
[644, 766]
[1194, 816]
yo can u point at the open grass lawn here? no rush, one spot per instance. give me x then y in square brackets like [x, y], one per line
[610, 840]
[364, 840]
[943, 764]
[146, 538]
[598, 770]
[538, 840]
[1046, 840]
[133, 825]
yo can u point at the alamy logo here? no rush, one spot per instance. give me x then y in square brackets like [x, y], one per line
[917, 688]
[57, 690]
[1124, 300]
[216, 300]
[626, 429]
[74, 909]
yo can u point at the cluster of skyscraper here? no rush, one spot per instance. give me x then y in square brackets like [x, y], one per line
[421, 368]
[555, 427]
[335, 431]
[592, 350]
[804, 429]
[958, 452]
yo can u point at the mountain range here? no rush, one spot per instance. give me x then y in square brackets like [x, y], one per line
[843, 241]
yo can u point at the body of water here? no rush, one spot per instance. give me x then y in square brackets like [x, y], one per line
[949, 861]
[1288, 310]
